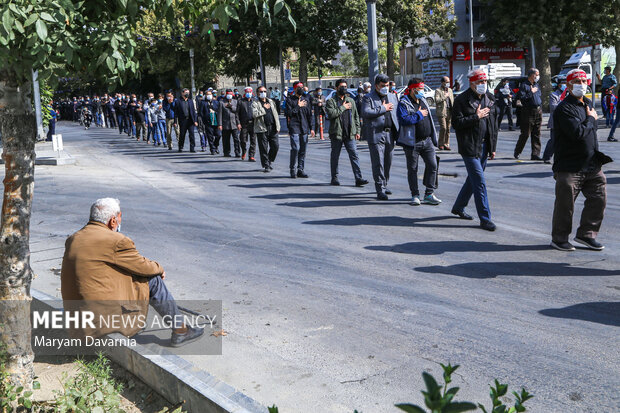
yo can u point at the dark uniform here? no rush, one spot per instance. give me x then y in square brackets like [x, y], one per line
[530, 119]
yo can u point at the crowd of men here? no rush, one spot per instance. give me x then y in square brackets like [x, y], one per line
[243, 121]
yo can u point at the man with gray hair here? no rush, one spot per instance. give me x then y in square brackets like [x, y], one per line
[102, 265]
[530, 118]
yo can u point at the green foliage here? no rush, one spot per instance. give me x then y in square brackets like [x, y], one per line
[440, 399]
[11, 394]
[92, 390]
[47, 94]
[273, 409]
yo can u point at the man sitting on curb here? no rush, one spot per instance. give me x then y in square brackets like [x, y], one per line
[102, 265]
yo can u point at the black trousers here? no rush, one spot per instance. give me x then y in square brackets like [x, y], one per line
[268, 146]
[187, 126]
[226, 134]
[531, 121]
[247, 133]
[213, 137]
[504, 110]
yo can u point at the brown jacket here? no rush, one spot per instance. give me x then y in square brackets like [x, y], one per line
[104, 265]
[440, 102]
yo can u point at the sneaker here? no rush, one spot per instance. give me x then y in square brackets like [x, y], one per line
[612, 139]
[431, 200]
[590, 243]
[562, 246]
[301, 174]
[251, 159]
[180, 339]
[382, 196]
[243, 157]
[388, 192]
[415, 200]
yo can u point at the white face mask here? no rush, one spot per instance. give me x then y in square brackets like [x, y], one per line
[229, 97]
[209, 97]
[579, 90]
[481, 88]
[384, 90]
[262, 95]
[537, 78]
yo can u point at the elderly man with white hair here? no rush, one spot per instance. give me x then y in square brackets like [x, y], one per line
[103, 265]
[577, 167]
[474, 118]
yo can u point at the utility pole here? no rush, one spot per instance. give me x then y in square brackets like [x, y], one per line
[191, 70]
[37, 104]
[533, 52]
[263, 80]
[373, 49]
[281, 72]
[593, 60]
[471, 34]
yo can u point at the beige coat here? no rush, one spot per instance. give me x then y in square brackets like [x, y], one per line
[440, 102]
[104, 265]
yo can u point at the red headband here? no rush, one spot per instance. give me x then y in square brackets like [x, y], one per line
[578, 74]
[416, 86]
[478, 76]
[299, 84]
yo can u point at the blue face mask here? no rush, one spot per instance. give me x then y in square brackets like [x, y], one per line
[563, 87]
[419, 95]
[248, 95]
[305, 92]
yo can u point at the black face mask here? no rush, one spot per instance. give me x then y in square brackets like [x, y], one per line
[186, 95]
[342, 90]
[300, 91]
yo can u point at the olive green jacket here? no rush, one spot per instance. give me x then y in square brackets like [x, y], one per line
[333, 114]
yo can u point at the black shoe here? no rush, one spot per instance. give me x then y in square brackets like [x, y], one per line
[293, 174]
[266, 169]
[388, 192]
[192, 150]
[511, 129]
[536, 158]
[488, 225]
[612, 139]
[270, 167]
[335, 182]
[192, 334]
[237, 156]
[180, 149]
[547, 161]
[217, 151]
[590, 243]
[227, 155]
[301, 174]
[360, 182]
[516, 155]
[212, 152]
[462, 215]
[382, 196]
[562, 246]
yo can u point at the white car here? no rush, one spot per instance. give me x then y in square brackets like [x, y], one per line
[429, 94]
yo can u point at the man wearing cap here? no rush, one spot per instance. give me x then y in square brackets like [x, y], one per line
[380, 129]
[577, 167]
[300, 123]
[474, 119]
[247, 125]
[531, 114]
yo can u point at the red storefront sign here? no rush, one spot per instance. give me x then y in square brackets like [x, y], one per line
[506, 51]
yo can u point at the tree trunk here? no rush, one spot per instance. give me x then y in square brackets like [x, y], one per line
[617, 68]
[303, 66]
[544, 67]
[389, 38]
[18, 132]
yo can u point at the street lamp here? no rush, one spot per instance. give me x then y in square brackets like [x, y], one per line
[373, 52]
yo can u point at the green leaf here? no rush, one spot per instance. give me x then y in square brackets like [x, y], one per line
[7, 21]
[31, 19]
[41, 29]
[69, 54]
[110, 62]
[18, 26]
[48, 17]
[292, 21]
[97, 409]
[459, 407]
[277, 7]
[410, 408]
[36, 385]
[431, 384]
[114, 43]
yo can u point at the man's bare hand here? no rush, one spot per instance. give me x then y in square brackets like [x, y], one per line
[492, 156]
[239, 127]
[534, 89]
[357, 137]
[424, 112]
[388, 106]
[591, 112]
[482, 113]
[312, 134]
[267, 106]
[347, 105]
[302, 103]
[163, 275]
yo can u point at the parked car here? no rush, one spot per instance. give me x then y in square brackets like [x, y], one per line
[429, 94]
[350, 92]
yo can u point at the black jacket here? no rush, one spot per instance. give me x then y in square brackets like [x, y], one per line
[467, 125]
[300, 119]
[574, 139]
[180, 116]
[244, 111]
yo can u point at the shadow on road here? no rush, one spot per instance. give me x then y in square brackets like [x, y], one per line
[389, 221]
[326, 195]
[532, 175]
[531, 269]
[604, 312]
[439, 247]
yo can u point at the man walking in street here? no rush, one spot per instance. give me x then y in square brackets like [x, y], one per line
[531, 115]
[475, 123]
[229, 124]
[210, 110]
[380, 129]
[266, 128]
[503, 97]
[300, 124]
[187, 118]
[246, 119]
[609, 81]
[318, 110]
[554, 101]
[444, 101]
[170, 105]
[577, 167]
[276, 96]
[418, 138]
[344, 129]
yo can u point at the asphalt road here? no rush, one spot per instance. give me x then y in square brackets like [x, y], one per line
[335, 301]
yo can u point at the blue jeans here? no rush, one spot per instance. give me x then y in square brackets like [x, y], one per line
[475, 185]
[298, 151]
[609, 119]
[161, 127]
[613, 128]
[155, 132]
[162, 300]
[351, 146]
[121, 122]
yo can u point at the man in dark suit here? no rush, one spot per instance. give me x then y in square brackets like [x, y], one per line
[300, 122]
[380, 129]
[209, 112]
[474, 119]
[187, 119]
[229, 123]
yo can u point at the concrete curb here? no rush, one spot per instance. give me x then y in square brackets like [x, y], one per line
[176, 379]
